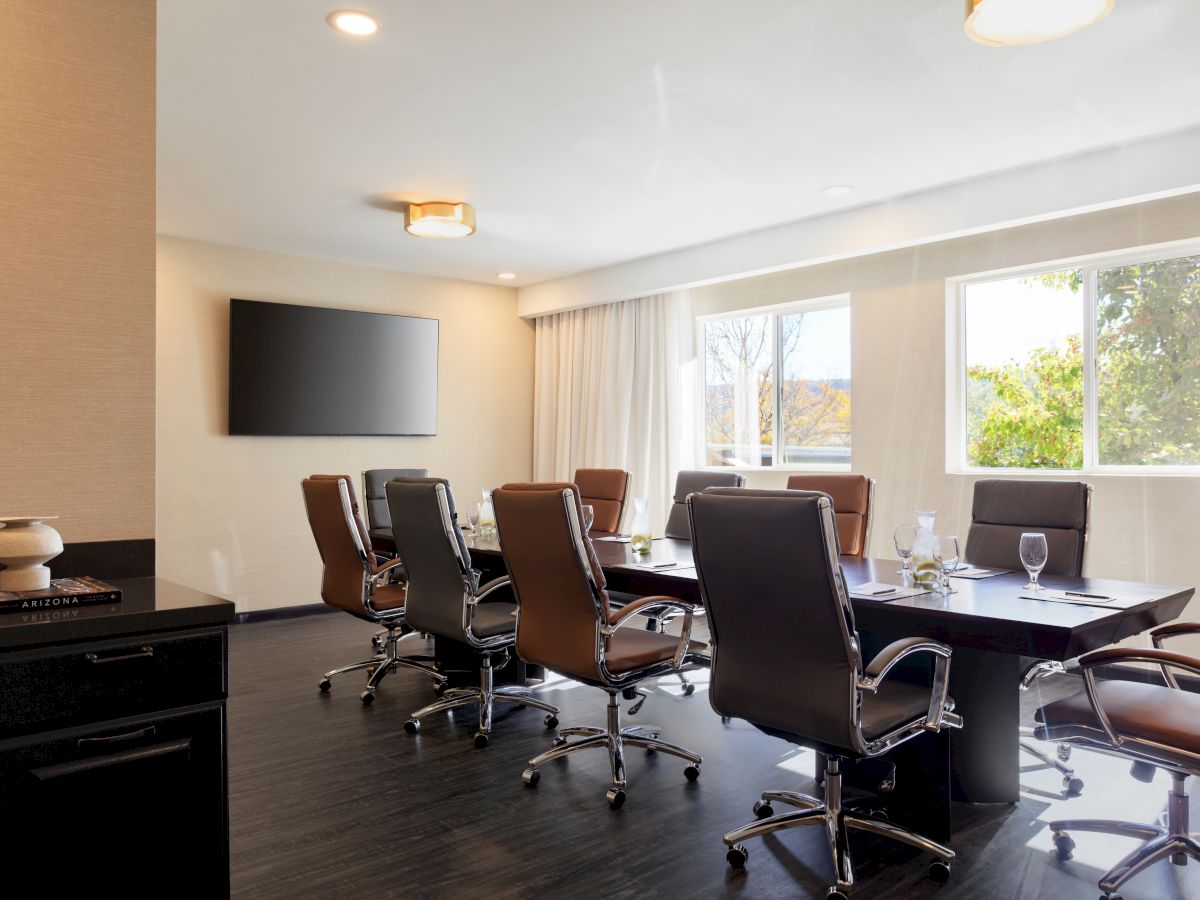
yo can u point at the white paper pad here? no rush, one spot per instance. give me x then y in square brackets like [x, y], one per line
[616, 539]
[875, 590]
[659, 567]
[977, 572]
[1063, 597]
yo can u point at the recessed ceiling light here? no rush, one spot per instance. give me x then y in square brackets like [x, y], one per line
[354, 22]
[836, 190]
[507, 276]
[1000, 23]
[440, 220]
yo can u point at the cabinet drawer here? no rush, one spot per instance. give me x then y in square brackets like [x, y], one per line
[91, 682]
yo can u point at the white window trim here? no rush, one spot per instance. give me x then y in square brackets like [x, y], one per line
[815, 304]
[956, 369]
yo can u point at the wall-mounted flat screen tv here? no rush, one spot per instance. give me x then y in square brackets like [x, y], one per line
[306, 370]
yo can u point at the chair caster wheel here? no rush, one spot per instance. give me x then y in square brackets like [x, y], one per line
[1063, 752]
[440, 688]
[629, 693]
[412, 726]
[551, 721]
[1064, 846]
[835, 894]
[939, 871]
[531, 777]
[692, 772]
[763, 809]
[480, 740]
[737, 855]
[1073, 786]
[725, 720]
[688, 690]
[1110, 897]
[615, 797]
[367, 697]
[559, 742]
[325, 684]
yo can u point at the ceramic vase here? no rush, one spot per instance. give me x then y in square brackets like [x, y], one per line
[25, 544]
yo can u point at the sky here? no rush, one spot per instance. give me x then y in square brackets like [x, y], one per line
[1006, 320]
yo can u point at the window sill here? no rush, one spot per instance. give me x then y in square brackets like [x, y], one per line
[793, 467]
[1097, 471]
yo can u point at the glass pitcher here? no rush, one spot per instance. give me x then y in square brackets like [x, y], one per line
[487, 516]
[924, 554]
[639, 530]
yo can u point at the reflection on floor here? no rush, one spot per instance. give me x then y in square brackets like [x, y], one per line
[333, 800]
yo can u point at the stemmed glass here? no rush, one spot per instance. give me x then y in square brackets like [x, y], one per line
[903, 537]
[473, 520]
[589, 516]
[1033, 557]
[945, 551]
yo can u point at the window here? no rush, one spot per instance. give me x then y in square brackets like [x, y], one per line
[777, 387]
[1085, 367]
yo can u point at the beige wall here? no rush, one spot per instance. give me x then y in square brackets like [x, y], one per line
[77, 265]
[231, 519]
[1143, 528]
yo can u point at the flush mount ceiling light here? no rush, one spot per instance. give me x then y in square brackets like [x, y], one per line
[354, 22]
[440, 220]
[507, 276]
[1002, 23]
[837, 190]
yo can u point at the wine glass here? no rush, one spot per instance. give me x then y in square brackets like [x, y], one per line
[903, 537]
[946, 553]
[473, 520]
[1033, 557]
[589, 516]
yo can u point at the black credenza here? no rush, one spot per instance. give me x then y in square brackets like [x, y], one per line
[113, 745]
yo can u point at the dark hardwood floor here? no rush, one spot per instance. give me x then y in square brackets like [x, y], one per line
[329, 799]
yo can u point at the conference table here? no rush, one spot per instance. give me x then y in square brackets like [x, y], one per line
[991, 629]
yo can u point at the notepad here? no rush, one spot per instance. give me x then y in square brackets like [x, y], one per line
[1080, 598]
[615, 539]
[875, 590]
[977, 572]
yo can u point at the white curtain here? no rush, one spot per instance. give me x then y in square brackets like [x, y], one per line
[613, 388]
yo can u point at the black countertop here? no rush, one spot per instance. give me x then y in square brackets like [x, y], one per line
[147, 604]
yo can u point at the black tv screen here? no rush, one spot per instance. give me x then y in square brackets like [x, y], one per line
[306, 370]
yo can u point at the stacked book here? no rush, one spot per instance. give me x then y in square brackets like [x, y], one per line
[63, 593]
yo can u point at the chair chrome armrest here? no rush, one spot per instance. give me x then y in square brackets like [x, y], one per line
[1174, 629]
[619, 618]
[1164, 659]
[939, 697]
[1040, 669]
[483, 590]
[385, 571]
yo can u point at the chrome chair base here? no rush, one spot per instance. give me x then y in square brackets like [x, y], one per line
[1173, 842]
[1072, 784]
[386, 661]
[613, 738]
[837, 822]
[485, 697]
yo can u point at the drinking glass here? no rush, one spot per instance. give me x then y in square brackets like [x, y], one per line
[1033, 557]
[903, 537]
[946, 553]
[473, 520]
[589, 516]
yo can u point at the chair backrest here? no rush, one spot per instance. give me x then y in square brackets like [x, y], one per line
[341, 538]
[1002, 509]
[778, 612]
[558, 582]
[853, 496]
[604, 491]
[692, 482]
[435, 555]
[375, 497]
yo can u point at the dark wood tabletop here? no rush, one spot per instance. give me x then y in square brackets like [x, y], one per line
[984, 614]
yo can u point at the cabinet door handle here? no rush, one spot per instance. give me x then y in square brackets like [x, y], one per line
[144, 653]
[148, 731]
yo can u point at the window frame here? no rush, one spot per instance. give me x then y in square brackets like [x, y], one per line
[775, 311]
[956, 359]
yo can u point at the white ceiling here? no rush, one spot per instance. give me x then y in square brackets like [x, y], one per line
[589, 132]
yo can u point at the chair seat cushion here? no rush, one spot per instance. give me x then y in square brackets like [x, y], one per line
[493, 618]
[632, 648]
[1141, 712]
[389, 596]
[893, 705]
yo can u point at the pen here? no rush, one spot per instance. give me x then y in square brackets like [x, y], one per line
[1090, 596]
[884, 591]
[665, 565]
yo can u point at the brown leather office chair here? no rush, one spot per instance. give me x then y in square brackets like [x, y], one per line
[1001, 510]
[1155, 726]
[853, 506]
[564, 623]
[604, 490]
[691, 482]
[446, 599]
[779, 614]
[354, 580]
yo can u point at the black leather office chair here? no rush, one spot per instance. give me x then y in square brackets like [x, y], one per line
[1001, 510]
[692, 482]
[779, 615]
[1156, 727]
[379, 518]
[445, 599]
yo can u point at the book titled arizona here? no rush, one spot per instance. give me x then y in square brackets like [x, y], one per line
[62, 593]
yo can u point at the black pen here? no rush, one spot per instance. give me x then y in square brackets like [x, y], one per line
[1089, 596]
[884, 591]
